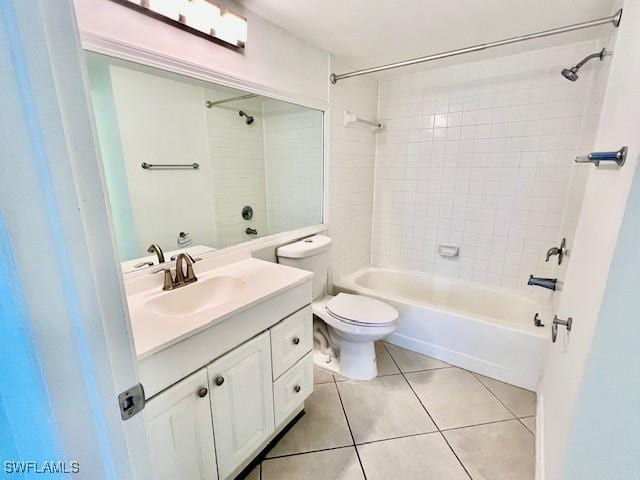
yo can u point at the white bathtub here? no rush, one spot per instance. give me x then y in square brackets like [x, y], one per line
[483, 329]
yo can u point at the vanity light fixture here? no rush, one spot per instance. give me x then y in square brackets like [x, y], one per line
[199, 17]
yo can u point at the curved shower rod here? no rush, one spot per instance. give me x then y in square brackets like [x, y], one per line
[614, 20]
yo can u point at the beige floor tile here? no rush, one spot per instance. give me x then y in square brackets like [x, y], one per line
[323, 425]
[386, 365]
[409, 361]
[521, 402]
[456, 398]
[338, 464]
[411, 458]
[254, 474]
[383, 408]
[530, 423]
[498, 451]
[321, 375]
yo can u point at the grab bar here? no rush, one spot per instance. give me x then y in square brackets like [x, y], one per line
[618, 156]
[169, 166]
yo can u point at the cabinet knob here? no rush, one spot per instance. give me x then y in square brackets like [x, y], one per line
[296, 340]
[297, 388]
[219, 380]
[202, 392]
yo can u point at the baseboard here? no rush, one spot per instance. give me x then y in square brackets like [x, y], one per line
[540, 438]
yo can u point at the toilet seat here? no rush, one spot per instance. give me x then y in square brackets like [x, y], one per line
[361, 311]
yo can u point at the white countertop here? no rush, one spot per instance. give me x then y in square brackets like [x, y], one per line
[153, 332]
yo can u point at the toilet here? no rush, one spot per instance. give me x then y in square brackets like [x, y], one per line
[345, 326]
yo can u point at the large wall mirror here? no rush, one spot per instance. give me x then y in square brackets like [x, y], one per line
[196, 166]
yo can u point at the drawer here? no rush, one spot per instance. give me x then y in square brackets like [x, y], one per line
[291, 339]
[292, 388]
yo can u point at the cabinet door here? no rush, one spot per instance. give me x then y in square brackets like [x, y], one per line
[241, 402]
[180, 431]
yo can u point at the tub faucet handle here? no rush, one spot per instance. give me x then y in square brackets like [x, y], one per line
[560, 251]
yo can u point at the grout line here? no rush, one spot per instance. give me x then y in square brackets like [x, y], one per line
[427, 412]
[397, 438]
[525, 425]
[285, 455]
[344, 411]
[502, 403]
[478, 424]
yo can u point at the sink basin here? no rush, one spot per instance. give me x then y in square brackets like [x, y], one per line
[199, 296]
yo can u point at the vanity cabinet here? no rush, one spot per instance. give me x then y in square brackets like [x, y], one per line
[242, 402]
[180, 431]
[211, 424]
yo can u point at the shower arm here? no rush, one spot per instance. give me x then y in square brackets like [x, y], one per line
[601, 54]
[614, 20]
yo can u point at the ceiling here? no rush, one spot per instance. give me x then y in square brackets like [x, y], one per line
[373, 32]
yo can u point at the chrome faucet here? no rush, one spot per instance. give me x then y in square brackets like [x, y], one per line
[550, 283]
[155, 248]
[180, 280]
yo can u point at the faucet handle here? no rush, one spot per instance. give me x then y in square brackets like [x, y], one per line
[560, 251]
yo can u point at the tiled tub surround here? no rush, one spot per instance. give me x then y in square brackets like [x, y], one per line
[352, 152]
[293, 158]
[478, 155]
[420, 418]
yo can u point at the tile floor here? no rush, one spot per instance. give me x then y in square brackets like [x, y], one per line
[419, 419]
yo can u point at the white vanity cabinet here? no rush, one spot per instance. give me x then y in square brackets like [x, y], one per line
[213, 423]
[242, 402]
[180, 431]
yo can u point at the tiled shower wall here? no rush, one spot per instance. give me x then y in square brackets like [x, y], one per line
[236, 151]
[479, 156]
[351, 171]
[293, 152]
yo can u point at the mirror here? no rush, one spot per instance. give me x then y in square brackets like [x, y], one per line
[196, 166]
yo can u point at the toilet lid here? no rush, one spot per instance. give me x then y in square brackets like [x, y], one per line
[361, 310]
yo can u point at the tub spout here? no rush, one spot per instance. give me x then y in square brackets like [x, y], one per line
[550, 283]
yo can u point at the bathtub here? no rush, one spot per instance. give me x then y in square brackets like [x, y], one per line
[483, 329]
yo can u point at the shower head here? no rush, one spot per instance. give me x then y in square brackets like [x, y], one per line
[249, 118]
[572, 73]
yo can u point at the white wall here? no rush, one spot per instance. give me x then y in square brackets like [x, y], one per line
[478, 155]
[610, 393]
[273, 57]
[351, 172]
[596, 235]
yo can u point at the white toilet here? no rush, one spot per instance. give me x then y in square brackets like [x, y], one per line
[345, 325]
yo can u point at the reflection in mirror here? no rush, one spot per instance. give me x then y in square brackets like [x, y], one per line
[196, 166]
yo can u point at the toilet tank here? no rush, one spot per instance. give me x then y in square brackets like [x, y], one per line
[310, 254]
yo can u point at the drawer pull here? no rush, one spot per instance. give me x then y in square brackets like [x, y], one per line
[202, 392]
[219, 380]
[296, 340]
[297, 389]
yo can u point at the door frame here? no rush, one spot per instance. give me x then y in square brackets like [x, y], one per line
[59, 242]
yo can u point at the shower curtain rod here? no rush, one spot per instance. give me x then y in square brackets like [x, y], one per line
[614, 19]
[210, 104]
